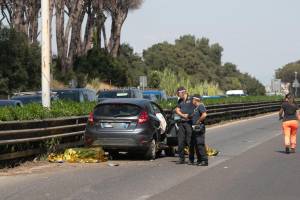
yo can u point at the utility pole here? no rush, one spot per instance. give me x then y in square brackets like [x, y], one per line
[45, 9]
[297, 85]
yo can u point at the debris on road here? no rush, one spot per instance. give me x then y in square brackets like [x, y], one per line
[79, 155]
[210, 151]
[113, 164]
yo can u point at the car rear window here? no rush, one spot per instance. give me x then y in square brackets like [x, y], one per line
[117, 110]
[114, 94]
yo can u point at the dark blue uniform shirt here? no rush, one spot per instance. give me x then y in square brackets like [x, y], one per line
[186, 107]
[198, 112]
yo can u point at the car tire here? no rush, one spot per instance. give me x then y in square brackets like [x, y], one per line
[151, 151]
[170, 151]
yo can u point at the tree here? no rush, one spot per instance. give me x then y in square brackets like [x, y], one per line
[133, 63]
[287, 72]
[19, 62]
[118, 10]
[200, 62]
[99, 64]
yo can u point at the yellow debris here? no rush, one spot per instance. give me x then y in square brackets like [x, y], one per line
[210, 151]
[79, 155]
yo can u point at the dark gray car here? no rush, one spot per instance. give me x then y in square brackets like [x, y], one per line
[129, 125]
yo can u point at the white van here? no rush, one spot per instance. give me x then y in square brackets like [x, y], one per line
[235, 93]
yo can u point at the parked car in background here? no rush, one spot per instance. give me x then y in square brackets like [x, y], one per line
[174, 98]
[76, 94]
[27, 99]
[151, 97]
[120, 93]
[14, 103]
[160, 94]
[126, 125]
[31, 97]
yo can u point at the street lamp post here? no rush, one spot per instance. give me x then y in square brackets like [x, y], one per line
[45, 10]
[296, 80]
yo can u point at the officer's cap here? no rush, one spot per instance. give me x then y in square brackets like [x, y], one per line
[181, 89]
[197, 97]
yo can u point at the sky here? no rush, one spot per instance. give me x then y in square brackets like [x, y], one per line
[258, 36]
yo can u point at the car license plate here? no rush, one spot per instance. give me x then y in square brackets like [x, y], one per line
[114, 125]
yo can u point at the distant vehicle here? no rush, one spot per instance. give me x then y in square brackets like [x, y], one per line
[235, 93]
[27, 99]
[151, 97]
[14, 103]
[126, 124]
[174, 98]
[160, 94]
[31, 97]
[76, 94]
[120, 93]
[213, 97]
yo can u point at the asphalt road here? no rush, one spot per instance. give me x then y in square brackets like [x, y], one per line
[251, 165]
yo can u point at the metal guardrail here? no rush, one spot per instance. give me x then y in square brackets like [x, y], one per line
[20, 132]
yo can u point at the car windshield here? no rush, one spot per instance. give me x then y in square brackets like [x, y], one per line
[114, 94]
[117, 110]
[147, 96]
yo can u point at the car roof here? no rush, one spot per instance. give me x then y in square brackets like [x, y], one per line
[136, 101]
[71, 89]
[26, 96]
[152, 91]
[119, 89]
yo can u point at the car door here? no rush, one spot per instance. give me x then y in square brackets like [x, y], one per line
[161, 116]
[155, 122]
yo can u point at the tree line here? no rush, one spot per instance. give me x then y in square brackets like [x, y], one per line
[84, 51]
[79, 24]
[287, 72]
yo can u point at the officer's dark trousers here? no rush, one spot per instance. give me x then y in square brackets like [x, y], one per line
[198, 145]
[184, 137]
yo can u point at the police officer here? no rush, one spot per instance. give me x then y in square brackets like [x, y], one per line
[198, 135]
[184, 109]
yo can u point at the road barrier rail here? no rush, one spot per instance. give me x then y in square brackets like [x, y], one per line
[20, 139]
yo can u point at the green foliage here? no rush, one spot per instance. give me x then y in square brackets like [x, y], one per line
[99, 64]
[19, 62]
[169, 81]
[133, 63]
[36, 111]
[199, 62]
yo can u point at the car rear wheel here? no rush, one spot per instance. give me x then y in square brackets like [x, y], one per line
[151, 151]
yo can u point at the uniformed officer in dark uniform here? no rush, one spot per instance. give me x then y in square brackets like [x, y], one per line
[184, 109]
[198, 135]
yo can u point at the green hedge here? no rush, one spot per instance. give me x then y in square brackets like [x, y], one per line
[36, 111]
[67, 109]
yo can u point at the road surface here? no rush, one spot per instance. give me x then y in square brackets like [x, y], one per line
[251, 165]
